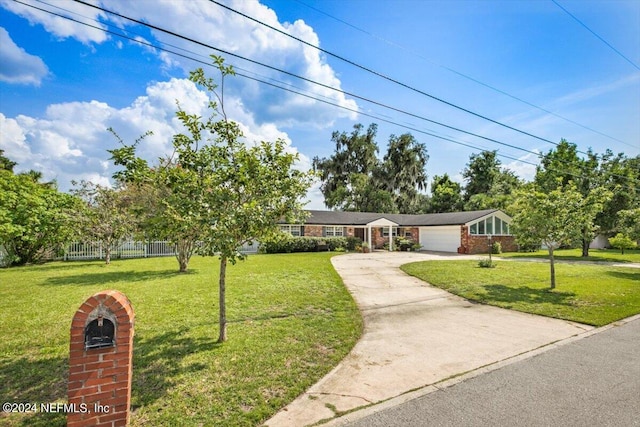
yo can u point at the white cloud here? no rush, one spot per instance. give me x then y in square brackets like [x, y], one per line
[71, 141]
[523, 167]
[210, 24]
[18, 66]
[61, 27]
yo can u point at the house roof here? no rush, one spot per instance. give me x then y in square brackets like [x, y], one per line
[404, 220]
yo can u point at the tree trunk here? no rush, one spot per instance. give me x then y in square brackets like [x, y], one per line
[585, 248]
[553, 268]
[223, 308]
[184, 249]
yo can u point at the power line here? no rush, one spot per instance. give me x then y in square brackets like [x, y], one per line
[385, 77]
[463, 75]
[595, 34]
[302, 94]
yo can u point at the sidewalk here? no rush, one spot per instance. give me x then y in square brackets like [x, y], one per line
[414, 336]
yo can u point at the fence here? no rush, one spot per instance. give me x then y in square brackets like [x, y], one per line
[127, 249]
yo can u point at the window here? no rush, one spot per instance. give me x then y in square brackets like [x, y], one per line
[294, 230]
[492, 225]
[332, 231]
[385, 231]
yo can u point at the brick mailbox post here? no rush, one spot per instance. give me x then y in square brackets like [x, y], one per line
[100, 362]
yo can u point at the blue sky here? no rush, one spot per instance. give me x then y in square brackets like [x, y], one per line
[62, 83]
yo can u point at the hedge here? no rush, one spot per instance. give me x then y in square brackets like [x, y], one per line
[309, 244]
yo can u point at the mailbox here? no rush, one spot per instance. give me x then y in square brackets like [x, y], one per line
[99, 333]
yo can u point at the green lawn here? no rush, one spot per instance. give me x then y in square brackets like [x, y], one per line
[291, 320]
[591, 294]
[595, 255]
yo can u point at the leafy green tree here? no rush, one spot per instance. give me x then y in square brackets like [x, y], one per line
[404, 172]
[562, 167]
[107, 217]
[500, 194]
[236, 193]
[622, 242]
[36, 220]
[629, 222]
[621, 176]
[446, 195]
[5, 163]
[552, 218]
[350, 176]
[480, 173]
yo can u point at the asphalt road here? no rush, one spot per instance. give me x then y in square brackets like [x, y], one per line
[594, 381]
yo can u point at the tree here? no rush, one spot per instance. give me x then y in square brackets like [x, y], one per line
[552, 218]
[36, 220]
[500, 194]
[5, 163]
[480, 173]
[404, 171]
[161, 213]
[629, 222]
[446, 195]
[107, 216]
[621, 176]
[622, 242]
[237, 193]
[561, 167]
[350, 176]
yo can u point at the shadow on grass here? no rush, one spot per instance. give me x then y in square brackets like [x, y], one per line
[526, 295]
[115, 276]
[157, 363]
[627, 275]
[34, 381]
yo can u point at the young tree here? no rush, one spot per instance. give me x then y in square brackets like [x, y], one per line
[107, 216]
[629, 222]
[35, 218]
[236, 192]
[622, 242]
[552, 218]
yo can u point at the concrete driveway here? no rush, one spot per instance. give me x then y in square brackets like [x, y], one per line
[415, 336]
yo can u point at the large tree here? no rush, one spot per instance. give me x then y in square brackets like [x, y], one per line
[36, 220]
[404, 172]
[351, 175]
[480, 173]
[553, 218]
[446, 195]
[237, 192]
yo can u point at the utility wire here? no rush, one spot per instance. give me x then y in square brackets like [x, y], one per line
[385, 77]
[353, 95]
[298, 92]
[595, 34]
[463, 75]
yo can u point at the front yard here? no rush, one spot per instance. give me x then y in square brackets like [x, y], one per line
[591, 294]
[596, 255]
[290, 321]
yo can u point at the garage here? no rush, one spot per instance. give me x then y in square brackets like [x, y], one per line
[441, 239]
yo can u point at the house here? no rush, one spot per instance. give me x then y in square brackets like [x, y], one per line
[463, 232]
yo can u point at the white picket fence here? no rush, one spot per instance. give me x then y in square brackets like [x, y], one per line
[128, 249]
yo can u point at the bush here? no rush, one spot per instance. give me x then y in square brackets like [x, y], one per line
[353, 243]
[402, 244]
[622, 242]
[291, 244]
[496, 248]
[487, 263]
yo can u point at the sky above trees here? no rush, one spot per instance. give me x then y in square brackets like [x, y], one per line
[535, 66]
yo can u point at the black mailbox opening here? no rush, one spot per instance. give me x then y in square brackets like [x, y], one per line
[99, 333]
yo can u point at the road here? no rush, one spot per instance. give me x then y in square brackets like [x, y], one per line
[593, 381]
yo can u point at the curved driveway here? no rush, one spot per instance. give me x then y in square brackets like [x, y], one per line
[415, 336]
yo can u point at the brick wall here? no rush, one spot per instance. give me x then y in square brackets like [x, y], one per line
[313, 230]
[100, 378]
[472, 244]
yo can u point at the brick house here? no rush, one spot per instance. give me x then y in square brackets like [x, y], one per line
[463, 232]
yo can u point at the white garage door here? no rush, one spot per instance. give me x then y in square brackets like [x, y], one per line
[443, 238]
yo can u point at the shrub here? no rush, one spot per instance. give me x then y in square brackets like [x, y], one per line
[402, 244]
[487, 263]
[303, 244]
[353, 243]
[496, 248]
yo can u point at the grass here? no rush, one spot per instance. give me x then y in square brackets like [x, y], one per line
[291, 320]
[591, 294]
[595, 255]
